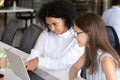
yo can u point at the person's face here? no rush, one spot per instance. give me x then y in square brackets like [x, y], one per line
[81, 37]
[56, 25]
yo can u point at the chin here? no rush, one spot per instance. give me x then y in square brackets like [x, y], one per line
[56, 33]
[80, 45]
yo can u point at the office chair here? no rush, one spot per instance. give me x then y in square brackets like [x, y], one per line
[26, 15]
[10, 30]
[110, 35]
[113, 38]
[29, 38]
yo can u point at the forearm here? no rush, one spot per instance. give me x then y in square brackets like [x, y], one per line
[73, 73]
[77, 67]
[52, 64]
[63, 63]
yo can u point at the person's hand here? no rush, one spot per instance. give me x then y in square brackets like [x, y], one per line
[76, 78]
[32, 64]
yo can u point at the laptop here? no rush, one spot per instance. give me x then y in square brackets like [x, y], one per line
[20, 70]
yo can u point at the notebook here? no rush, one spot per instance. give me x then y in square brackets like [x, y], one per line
[19, 69]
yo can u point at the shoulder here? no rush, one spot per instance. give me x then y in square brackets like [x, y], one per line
[107, 11]
[109, 65]
[105, 57]
[42, 35]
[107, 60]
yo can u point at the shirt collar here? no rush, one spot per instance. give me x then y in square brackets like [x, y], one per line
[67, 33]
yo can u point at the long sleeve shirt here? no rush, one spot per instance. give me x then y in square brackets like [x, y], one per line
[60, 51]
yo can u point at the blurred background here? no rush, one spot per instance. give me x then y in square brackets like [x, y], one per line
[97, 6]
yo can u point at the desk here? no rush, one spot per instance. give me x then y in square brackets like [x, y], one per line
[9, 75]
[11, 9]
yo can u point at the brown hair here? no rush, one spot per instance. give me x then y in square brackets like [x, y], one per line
[93, 25]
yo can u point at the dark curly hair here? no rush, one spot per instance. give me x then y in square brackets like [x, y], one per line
[58, 9]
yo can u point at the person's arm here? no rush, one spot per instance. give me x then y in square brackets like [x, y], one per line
[38, 48]
[32, 64]
[76, 67]
[109, 68]
[70, 56]
[63, 63]
[32, 61]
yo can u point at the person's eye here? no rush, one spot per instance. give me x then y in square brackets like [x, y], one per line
[55, 24]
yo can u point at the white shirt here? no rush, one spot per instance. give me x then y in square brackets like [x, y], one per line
[61, 51]
[111, 17]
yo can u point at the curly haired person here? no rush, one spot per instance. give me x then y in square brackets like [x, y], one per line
[57, 48]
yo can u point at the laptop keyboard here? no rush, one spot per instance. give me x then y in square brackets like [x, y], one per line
[34, 76]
